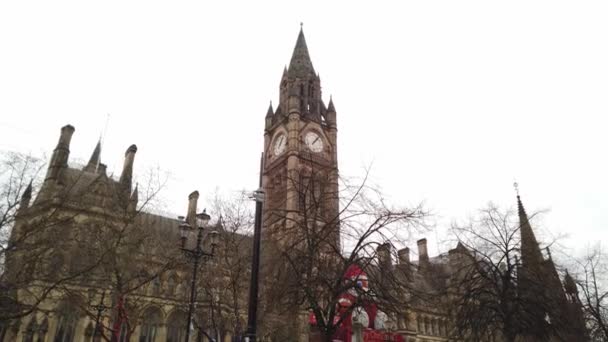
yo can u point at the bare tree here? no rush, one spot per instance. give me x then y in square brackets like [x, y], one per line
[592, 279]
[332, 253]
[85, 234]
[502, 286]
[225, 277]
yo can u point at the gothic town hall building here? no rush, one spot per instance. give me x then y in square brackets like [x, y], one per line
[80, 241]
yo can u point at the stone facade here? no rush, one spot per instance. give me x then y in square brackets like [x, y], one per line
[300, 142]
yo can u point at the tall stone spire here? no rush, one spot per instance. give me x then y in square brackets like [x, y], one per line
[300, 64]
[530, 251]
[94, 160]
[300, 89]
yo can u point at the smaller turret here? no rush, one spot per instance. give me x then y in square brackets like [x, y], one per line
[192, 204]
[330, 115]
[59, 159]
[127, 171]
[269, 116]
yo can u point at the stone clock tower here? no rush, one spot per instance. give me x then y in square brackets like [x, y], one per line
[300, 172]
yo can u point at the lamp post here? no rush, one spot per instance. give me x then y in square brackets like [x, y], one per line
[195, 255]
[252, 315]
[100, 308]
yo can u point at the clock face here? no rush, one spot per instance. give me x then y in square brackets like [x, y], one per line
[314, 142]
[279, 144]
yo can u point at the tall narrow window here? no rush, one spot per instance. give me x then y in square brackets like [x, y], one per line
[176, 327]
[66, 323]
[151, 324]
[156, 286]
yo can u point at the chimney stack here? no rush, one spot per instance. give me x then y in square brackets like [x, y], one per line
[192, 204]
[127, 171]
[404, 256]
[423, 256]
[384, 255]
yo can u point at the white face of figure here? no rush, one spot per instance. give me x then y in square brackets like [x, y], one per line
[360, 284]
[314, 142]
[279, 144]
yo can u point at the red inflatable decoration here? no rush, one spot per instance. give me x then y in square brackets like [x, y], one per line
[344, 332]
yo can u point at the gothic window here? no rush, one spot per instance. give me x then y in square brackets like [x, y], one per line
[171, 285]
[156, 286]
[66, 325]
[151, 321]
[176, 327]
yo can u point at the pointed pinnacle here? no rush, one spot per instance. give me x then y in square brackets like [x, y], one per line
[94, 160]
[530, 250]
[300, 64]
[270, 112]
[27, 193]
[330, 106]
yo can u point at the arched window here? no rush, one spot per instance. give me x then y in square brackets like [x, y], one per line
[176, 327]
[171, 285]
[66, 324]
[151, 321]
[156, 286]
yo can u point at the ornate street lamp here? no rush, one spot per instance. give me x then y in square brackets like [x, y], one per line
[195, 255]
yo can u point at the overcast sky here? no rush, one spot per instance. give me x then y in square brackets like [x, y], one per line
[449, 102]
